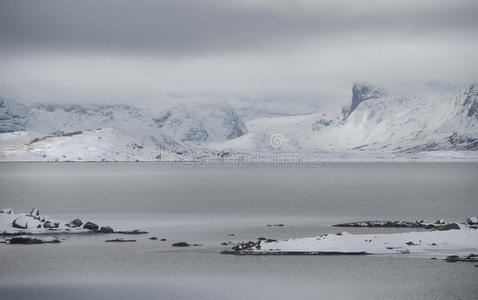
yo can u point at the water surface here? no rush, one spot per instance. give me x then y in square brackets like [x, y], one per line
[205, 204]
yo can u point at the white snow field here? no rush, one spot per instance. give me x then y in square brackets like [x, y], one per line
[430, 243]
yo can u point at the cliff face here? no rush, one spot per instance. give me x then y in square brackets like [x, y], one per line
[471, 100]
[362, 92]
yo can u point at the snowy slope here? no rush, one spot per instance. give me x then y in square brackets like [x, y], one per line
[106, 132]
[411, 120]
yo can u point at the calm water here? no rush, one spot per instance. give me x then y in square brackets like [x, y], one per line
[203, 205]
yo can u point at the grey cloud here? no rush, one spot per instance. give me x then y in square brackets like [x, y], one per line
[193, 27]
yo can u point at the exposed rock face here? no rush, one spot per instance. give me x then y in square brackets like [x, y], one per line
[13, 116]
[361, 93]
[471, 99]
[20, 222]
[461, 142]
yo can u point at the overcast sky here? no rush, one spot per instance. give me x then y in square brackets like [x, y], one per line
[145, 51]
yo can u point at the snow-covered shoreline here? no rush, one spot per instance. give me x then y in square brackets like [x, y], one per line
[33, 225]
[431, 243]
[443, 239]
[259, 156]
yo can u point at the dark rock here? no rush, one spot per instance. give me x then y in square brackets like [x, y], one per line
[469, 258]
[411, 244]
[231, 234]
[181, 244]
[20, 222]
[163, 240]
[39, 226]
[106, 229]
[261, 238]
[30, 241]
[224, 243]
[472, 221]
[384, 224]
[452, 258]
[33, 212]
[197, 245]
[433, 244]
[48, 225]
[120, 240]
[24, 241]
[433, 258]
[7, 211]
[91, 226]
[153, 238]
[136, 231]
[76, 222]
[245, 246]
[271, 240]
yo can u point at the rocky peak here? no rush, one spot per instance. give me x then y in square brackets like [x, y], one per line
[362, 92]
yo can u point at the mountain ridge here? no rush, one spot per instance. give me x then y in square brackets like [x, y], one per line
[376, 120]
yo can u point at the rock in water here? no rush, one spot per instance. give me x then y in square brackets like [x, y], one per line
[120, 240]
[24, 241]
[136, 231]
[106, 229]
[20, 222]
[181, 244]
[31, 241]
[90, 226]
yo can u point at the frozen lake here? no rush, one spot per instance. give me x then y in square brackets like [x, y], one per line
[204, 205]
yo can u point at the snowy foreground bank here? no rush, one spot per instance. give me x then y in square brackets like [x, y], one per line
[461, 241]
[23, 225]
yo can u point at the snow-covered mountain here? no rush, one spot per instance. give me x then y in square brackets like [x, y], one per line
[407, 119]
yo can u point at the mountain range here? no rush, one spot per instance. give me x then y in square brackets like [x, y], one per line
[376, 122]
